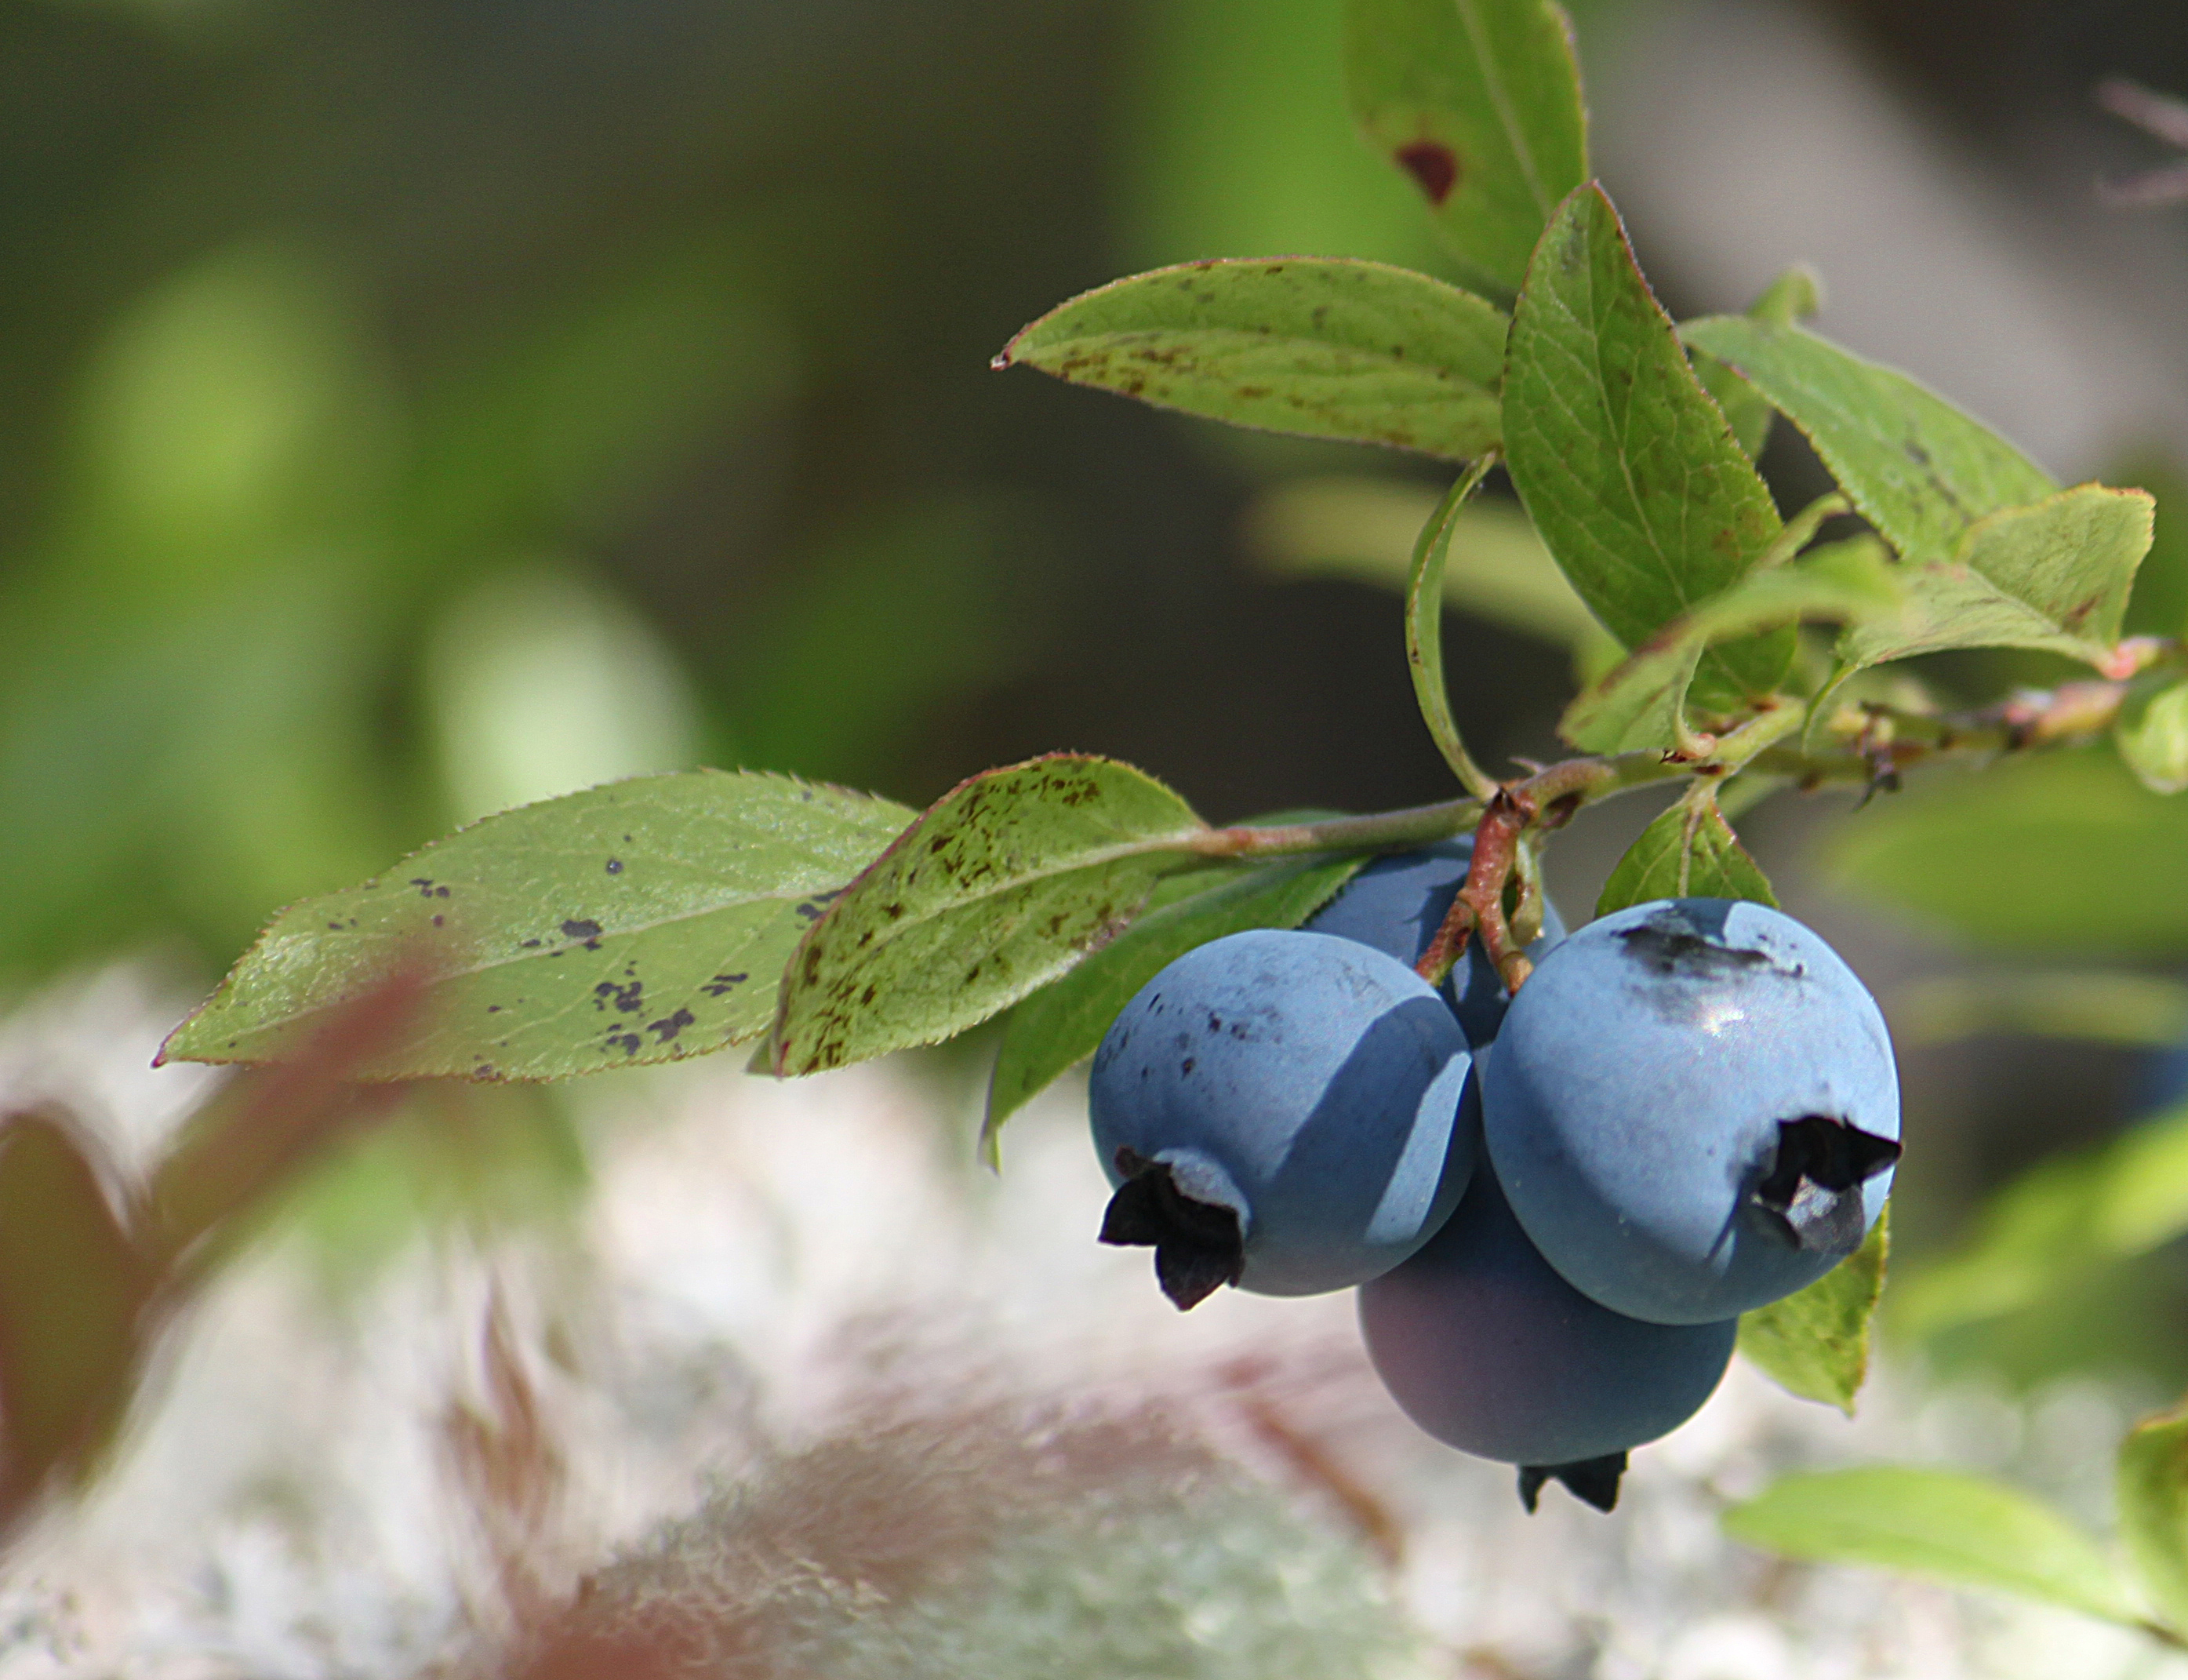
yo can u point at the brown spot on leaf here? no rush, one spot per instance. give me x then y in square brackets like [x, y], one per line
[1434, 166]
[669, 1026]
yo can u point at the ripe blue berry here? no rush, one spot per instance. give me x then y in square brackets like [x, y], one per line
[1487, 1348]
[1693, 1109]
[1281, 1111]
[1397, 904]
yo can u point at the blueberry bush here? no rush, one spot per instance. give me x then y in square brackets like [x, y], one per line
[1680, 1138]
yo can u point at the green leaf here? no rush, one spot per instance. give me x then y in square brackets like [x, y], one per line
[1942, 1524]
[1642, 703]
[2054, 575]
[2059, 852]
[642, 921]
[1815, 1342]
[1062, 1024]
[2055, 1224]
[1688, 851]
[2151, 732]
[1321, 346]
[1479, 101]
[1793, 296]
[2151, 1480]
[1002, 886]
[1918, 469]
[1630, 472]
[1425, 631]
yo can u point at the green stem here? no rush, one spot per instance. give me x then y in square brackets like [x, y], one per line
[2075, 712]
[1425, 629]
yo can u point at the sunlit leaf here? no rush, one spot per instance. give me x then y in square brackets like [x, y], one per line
[1690, 852]
[1815, 1342]
[1917, 468]
[2053, 575]
[2058, 852]
[1794, 295]
[1000, 887]
[2152, 734]
[640, 921]
[1479, 102]
[2152, 1487]
[1963, 1529]
[1642, 703]
[1325, 347]
[1062, 1024]
[1628, 469]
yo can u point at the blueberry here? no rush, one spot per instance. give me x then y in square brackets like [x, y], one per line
[1281, 1111]
[1693, 1108]
[1397, 903]
[1487, 1348]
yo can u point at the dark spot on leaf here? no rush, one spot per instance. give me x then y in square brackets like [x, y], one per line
[589, 932]
[1188, 1065]
[628, 1043]
[1434, 166]
[669, 1026]
[724, 983]
[530, 944]
[626, 999]
[493, 1009]
[615, 866]
[438, 920]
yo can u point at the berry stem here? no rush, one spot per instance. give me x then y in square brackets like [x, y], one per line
[1480, 905]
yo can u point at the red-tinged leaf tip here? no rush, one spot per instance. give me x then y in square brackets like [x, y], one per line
[1434, 166]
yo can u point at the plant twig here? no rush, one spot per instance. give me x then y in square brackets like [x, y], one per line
[1878, 741]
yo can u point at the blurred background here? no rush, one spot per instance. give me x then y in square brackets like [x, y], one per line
[416, 409]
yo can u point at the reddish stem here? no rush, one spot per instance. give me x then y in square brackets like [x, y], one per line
[1480, 905]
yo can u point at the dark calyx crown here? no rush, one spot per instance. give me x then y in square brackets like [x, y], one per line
[1199, 1246]
[1593, 1481]
[1819, 1160]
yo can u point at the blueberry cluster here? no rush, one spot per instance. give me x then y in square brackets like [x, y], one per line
[1691, 1110]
